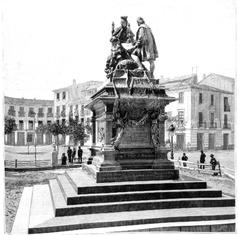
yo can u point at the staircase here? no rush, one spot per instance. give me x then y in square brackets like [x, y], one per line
[75, 202]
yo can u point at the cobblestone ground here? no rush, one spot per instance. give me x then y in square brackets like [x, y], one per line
[224, 183]
[14, 184]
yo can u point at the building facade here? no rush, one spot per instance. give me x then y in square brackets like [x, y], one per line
[69, 102]
[28, 115]
[203, 113]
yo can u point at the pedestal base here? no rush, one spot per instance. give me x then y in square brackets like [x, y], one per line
[134, 164]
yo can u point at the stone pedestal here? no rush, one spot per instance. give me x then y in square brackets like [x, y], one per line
[140, 142]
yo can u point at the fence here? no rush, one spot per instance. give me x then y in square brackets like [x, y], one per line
[26, 164]
[200, 167]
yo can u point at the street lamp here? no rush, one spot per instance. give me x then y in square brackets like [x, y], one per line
[171, 130]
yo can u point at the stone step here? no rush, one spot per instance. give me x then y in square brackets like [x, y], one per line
[72, 198]
[136, 175]
[62, 209]
[85, 184]
[137, 221]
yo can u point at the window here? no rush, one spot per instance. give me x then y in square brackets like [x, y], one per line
[63, 95]
[212, 99]
[225, 124]
[82, 110]
[49, 122]
[30, 125]
[21, 112]
[40, 123]
[58, 96]
[181, 115]
[21, 125]
[49, 110]
[63, 108]
[200, 119]
[40, 112]
[57, 109]
[200, 98]
[31, 112]
[29, 137]
[11, 111]
[212, 120]
[226, 105]
[180, 97]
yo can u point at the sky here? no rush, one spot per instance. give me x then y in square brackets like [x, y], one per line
[48, 43]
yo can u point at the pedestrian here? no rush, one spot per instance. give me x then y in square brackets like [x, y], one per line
[80, 152]
[184, 158]
[202, 159]
[63, 159]
[213, 163]
[73, 154]
[69, 154]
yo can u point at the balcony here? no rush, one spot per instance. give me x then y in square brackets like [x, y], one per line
[11, 112]
[31, 114]
[63, 113]
[226, 126]
[212, 125]
[226, 108]
[57, 115]
[40, 115]
[21, 114]
[49, 114]
[202, 124]
[71, 114]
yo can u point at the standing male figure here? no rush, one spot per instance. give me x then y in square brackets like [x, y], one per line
[145, 48]
[123, 33]
[69, 154]
[213, 162]
[73, 154]
[202, 159]
[184, 158]
[80, 152]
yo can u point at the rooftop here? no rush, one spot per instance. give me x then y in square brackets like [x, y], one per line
[29, 102]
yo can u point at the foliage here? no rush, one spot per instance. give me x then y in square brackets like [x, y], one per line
[9, 125]
[76, 130]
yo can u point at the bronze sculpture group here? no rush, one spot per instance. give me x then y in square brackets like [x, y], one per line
[128, 52]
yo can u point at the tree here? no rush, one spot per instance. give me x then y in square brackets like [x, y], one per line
[9, 125]
[77, 131]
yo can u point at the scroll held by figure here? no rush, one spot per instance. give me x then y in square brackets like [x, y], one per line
[128, 52]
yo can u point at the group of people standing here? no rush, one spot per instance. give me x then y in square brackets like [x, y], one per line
[213, 160]
[71, 154]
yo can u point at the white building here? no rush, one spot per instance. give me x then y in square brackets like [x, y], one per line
[203, 113]
[70, 101]
[28, 115]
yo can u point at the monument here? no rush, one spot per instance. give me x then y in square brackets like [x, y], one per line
[134, 186]
[129, 115]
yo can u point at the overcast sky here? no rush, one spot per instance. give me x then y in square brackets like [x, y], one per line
[48, 43]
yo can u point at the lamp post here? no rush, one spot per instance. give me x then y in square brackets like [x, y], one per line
[35, 139]
[171, 130]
